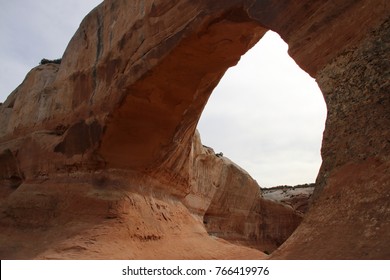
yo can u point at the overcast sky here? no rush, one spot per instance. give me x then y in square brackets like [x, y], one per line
[267, 115]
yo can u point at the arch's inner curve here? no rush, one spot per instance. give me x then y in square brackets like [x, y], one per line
[157, 119]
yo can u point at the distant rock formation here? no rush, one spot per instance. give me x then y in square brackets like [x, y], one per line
[232, 204]
[297, 197]
[97, 155]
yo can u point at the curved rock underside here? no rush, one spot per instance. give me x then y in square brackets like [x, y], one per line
[99, 157]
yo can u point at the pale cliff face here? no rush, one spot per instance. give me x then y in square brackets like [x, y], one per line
[115, 122]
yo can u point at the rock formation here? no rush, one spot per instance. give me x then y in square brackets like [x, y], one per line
[232, 205]
[104, 140]
[298, 197]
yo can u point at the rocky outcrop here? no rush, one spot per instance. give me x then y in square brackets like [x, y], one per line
[298, 197]
[232, 205]
[112, 128]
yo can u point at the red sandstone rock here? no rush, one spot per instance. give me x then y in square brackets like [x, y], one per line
[231, 203]
[103, 216]
[95, 151]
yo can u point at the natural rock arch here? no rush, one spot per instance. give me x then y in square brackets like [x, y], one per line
[135, 87]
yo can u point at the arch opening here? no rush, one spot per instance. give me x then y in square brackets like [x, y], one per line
[268, 116]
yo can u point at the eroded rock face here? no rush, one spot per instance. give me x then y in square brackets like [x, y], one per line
[297, 197]
[353, 198]
[104, 216]
[133, 82]
[231, 203]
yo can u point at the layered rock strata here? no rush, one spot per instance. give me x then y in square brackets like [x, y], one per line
[115, 121]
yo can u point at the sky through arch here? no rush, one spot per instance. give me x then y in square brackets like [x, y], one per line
[268, 116]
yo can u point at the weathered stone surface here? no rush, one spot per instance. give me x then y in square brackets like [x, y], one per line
[133, 82]
[350, 218]
[356, 89]
[104, 216]
[317, 31]
[232, 205]
[297, 197]
[10, 174]
[353, 204]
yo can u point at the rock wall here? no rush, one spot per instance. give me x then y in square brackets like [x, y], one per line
[125, 102]
[352, 198]
[356, 90]
[232, 205]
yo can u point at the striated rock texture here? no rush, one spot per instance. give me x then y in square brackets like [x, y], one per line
[97, 157]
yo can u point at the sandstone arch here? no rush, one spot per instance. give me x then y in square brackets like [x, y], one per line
[135, 87]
